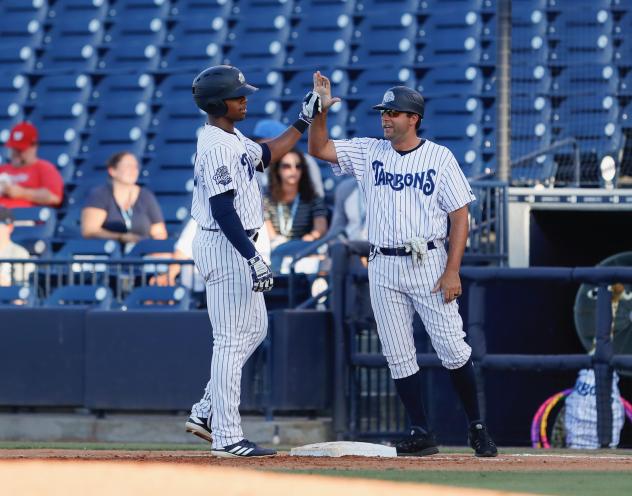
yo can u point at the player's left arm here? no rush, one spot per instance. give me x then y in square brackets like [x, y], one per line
[450, 281]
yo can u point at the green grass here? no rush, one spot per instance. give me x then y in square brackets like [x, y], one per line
[561, 483]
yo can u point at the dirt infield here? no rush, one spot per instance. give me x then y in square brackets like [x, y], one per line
[73, 478]
[460, 462]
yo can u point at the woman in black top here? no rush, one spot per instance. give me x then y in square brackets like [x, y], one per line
[122, 210]
[295, 215]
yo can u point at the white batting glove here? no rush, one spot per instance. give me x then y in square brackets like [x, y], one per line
[261, 274]
[418, 248]
[310, 108]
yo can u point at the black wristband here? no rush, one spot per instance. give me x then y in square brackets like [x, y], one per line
[300, 125]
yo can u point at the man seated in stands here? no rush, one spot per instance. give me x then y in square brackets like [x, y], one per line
[11, 274]
[27, 180]
[121, 210]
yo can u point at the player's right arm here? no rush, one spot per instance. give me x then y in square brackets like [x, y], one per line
[319, 144]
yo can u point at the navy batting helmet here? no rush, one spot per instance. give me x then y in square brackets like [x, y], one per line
[402, 99]
[218, 83]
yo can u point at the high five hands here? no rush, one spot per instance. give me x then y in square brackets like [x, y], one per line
[322, 86]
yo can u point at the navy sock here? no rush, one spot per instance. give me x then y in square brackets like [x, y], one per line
[409, 391]
[464, 382]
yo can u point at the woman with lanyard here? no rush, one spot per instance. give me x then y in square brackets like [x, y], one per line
[295, 215]
[121, 210]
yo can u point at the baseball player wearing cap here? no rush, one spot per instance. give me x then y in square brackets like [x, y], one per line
[28, 180]
[412, 187]
[228, 209]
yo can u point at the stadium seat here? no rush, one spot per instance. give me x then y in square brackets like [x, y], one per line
[148, 247]
[167, 298]
[61, 88]
[196, 41]
[137, 56]
[530, 80]
[585, 45]
[372, 82]
[541, 170]
[68, 9]
[456, 5]
[13, 89]
[24, 28]
[207, 9]
[586, 78]
[389, 48]
[175, 210]
[72, 44]
[173, 182]
[60, 124]
[174, 86]
[10, 115]
[451, 46]
[268, 51]
[96, 297]
[325, 49]
[324, 8]
[33, 223]
[140, 8]
[16, 58]
[108, 140]
[17, 296]
[445, 80]
[138, 30]
[302, 81]
[89, 249]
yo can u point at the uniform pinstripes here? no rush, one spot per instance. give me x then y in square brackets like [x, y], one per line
[238, 316]
[239, 324]
[218, 149]
[397, 212]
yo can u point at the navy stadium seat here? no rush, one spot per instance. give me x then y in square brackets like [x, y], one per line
[16, 58]
[322, 49]
[175, 86]
[33, 223]
[173, 182]
[89, 249]
[19, 296]
[107, 140]
[267, 51]
[140, 8]
[526, 79]
[137, 29]
[389, 48]
[586, 78]
[206, 9]
[371, 82]
[23, 28]
[72, 44]
[197, 41]
[136, 55]
[63, 87]
[167, 298]
[13, 89]
[80, 296]
[77, 9]
[452, 80]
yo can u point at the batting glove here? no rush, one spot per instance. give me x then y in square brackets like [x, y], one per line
[418, 248]
[310, 108]
[261, 274]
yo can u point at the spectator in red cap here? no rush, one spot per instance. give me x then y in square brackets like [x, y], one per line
[28, 180]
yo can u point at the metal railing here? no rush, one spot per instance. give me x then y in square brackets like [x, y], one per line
[120, 275]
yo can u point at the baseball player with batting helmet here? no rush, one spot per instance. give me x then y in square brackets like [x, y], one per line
[227, 207]
[412, 187]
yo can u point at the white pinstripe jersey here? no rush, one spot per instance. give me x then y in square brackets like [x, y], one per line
[226, 161]
[407, 195]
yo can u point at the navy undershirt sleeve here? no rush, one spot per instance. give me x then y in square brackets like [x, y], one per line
[266, 155]
[225, 215]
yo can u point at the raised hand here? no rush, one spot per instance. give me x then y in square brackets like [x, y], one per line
[322, 86]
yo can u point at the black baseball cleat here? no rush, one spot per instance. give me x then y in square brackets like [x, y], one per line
[200, 427]
[418, 443]
[480, 440]
[243, 448]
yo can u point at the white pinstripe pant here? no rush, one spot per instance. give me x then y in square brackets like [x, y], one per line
[399, 287]
[239, 321]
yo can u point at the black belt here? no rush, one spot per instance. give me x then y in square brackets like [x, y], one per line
[249, 232]
[398, 252]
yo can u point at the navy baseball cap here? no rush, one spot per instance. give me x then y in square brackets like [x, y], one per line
[402, 99]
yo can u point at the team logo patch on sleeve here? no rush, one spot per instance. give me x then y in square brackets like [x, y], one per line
[222, 176]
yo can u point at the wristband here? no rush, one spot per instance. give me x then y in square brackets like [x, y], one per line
[300, 125]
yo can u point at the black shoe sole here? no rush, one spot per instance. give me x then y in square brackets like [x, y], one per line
[198, 431]
[486, 455]
[433, 450]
